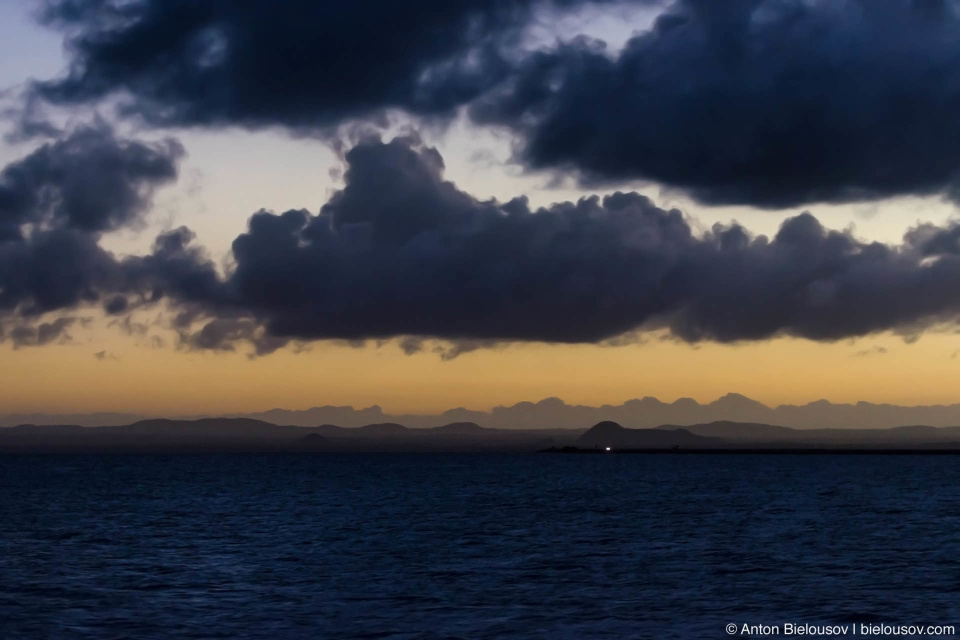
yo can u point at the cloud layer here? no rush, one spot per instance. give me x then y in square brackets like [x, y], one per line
[402, 252]
[399, 251]
[90, 181]
[304, 64]
[771, 103]
[54, 205]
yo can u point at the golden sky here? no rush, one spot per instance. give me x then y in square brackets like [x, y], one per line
[68, 378]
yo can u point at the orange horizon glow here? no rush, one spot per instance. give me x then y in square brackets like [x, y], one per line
[67, 378]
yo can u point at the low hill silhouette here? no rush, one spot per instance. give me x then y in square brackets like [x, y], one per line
[243, 434]
[554, 413]
[206, 427]
[313, 442]
[610, 434]
[460, 428]
[728, 430]
[383, 430]
[741, 432]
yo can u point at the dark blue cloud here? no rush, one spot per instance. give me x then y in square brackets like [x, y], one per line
[402, 252]
[300, 63]
[57, 201]
[90, 181]
[771, 103]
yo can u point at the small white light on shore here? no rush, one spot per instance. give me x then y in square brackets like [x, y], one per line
[608, 448]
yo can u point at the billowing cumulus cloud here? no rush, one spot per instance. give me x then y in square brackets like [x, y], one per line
[770, 103]
[399, 251]
[90, 181]
[302, 63]
[402, 252]
[53, 270]
[56, 202]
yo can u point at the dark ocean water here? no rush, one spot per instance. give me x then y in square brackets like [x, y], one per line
[473, 546]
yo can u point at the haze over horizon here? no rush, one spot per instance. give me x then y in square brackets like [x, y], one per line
[213, 210]
[554, 413]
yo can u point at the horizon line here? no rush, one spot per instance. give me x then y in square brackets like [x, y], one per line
[560, 401]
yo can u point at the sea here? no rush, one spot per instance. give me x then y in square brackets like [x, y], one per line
[407, 547]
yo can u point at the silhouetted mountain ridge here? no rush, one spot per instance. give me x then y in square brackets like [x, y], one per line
[610, 434]
[460, 428]
[646, 412]
[215, 434]
[243, 434]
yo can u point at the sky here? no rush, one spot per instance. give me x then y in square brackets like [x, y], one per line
[221, 207]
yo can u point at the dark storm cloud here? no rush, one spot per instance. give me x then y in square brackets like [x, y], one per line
[222, 334]
[772, 103]
[90, 181]
[53, 270]
[57, 270]
[54, 204]
[64, 268]
[402, 252]
[933, 240]
[176, 268]
[300, 63]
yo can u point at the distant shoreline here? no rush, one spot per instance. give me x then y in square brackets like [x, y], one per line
[252, 436]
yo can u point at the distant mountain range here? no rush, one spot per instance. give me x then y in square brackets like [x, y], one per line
[247, 435]
[554, 413]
